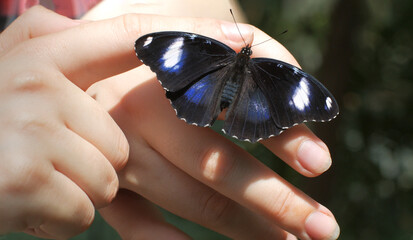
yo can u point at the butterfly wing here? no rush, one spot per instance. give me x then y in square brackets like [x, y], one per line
[180, 58]
[199, 103]
[249, 116]
[293, 95]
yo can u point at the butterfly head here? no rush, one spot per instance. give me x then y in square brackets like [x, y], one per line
[246, 50]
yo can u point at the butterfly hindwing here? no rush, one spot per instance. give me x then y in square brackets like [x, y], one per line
[293, 95]
[179, 58]
[249, 117]
[199, 103]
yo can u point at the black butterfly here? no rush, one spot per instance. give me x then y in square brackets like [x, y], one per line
[203, 76]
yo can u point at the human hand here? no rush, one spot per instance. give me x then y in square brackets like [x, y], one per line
[59, 149]
[198, 174]
[217, 9]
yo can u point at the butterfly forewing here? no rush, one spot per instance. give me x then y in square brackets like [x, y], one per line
[179, 58]
[293, 95]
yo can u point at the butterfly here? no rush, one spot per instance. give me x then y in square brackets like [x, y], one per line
[263, 96]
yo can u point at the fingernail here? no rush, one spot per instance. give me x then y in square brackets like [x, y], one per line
[232, 33]
[321, 226]
[313, 157]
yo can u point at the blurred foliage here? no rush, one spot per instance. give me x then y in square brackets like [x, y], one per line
[370, 185]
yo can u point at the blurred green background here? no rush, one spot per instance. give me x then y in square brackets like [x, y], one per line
[362, 50]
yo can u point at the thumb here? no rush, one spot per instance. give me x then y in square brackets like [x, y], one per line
[94, 51]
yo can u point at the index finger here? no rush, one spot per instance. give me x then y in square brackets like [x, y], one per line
[97, 50]
[298, 147]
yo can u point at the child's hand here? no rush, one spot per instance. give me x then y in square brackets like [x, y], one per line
[59, 149]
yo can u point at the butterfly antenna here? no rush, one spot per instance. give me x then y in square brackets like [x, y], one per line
[269, 39]
[233, 17]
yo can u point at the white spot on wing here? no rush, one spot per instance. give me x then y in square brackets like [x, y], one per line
[329, 103]
[147, 41]
[173, 54]
[301, 93]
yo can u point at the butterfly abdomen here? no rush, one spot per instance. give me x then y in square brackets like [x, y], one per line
[234, 79]
[228, 93]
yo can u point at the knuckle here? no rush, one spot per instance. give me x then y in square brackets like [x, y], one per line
[30, 124]
[284, 202]
[87, 220]
[34, 11]
[116, 149]
[24, 24]
[103, 184]
[111, 190]
[130, 24]
[122, 151]
[23, 176]
[215, 209]
[29, 81]
[86, 214]
[217, 164]
[67, 218]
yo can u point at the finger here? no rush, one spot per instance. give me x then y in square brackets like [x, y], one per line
[105, 48]
[35, 22]
[226, 168]
[67, 212]
[80, 113]
[213, 9]
[302, 150]
[135, 218]
[50, 142]
[34, 191]
[298, 146]
[85, 165]
[190, 199]
[90, 121]
[271, 49]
